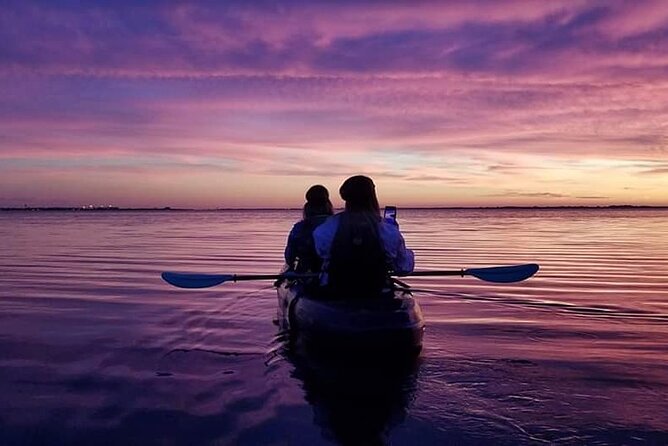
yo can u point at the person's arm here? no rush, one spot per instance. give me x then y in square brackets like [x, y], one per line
[291, 246]
[402, 259]
[323, 237]
[405, 260]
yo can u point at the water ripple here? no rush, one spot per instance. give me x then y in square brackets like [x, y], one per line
[93, 345]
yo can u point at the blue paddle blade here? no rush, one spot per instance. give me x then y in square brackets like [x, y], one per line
[504, 274]
[187, 280]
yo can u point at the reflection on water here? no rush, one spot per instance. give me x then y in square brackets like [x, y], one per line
[95, 347]
[355, 400]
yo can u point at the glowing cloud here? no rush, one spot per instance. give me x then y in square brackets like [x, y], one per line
[183, 104]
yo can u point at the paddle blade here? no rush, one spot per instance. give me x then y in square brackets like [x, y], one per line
[187, 280]
[504, 274]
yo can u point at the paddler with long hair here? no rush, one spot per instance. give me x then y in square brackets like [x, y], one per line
[358, 248]
[300, 255]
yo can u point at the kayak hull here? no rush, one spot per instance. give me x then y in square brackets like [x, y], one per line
[392, 325]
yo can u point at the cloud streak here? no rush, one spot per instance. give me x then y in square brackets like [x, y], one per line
[457, 96]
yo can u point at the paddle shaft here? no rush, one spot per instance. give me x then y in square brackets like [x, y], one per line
[243, 277]
[461, 272]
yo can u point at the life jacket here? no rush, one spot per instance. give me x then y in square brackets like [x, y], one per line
[307, 259]
[357, 267]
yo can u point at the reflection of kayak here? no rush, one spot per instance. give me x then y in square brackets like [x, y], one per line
[387, 325]
[356, 402]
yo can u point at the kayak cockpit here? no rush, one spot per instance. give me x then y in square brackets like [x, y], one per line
[390, 323]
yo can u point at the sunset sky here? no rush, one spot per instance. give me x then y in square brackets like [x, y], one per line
[246, 104]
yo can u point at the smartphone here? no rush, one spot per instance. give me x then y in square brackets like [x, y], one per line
[390, 212]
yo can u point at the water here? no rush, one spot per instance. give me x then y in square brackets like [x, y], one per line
[95, 348]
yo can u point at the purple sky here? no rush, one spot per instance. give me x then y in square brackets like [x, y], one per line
[220, 104]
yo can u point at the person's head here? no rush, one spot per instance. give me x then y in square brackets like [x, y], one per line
[359, 193]
[317, 202]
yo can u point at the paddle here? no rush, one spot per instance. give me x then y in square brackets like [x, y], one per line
[496, 274]
[195, 280]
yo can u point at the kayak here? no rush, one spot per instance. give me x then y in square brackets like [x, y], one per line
[389, 324]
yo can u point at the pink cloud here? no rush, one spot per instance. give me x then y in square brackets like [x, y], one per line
[170, 89]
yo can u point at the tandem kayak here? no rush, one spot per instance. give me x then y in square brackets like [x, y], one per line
[390, 324]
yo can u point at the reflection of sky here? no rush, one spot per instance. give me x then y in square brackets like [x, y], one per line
[475, 103]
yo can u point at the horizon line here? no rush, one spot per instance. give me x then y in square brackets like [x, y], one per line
[179, 209]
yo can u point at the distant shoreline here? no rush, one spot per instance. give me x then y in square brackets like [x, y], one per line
[170, 209]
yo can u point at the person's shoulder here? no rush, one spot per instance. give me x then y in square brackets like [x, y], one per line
[319, 219]
[298, 225]
[332, 219]
[328, 225]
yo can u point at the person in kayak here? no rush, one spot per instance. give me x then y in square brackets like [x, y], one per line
[359, 250]
[300, 255]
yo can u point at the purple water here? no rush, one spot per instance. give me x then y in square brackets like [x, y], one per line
[96, 349]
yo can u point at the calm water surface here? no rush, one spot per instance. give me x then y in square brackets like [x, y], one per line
[96, 349]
